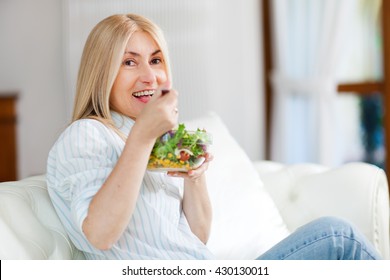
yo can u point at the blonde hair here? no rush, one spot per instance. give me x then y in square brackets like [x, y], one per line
[101, 61]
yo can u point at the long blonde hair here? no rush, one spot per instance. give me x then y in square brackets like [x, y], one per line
[101, 60]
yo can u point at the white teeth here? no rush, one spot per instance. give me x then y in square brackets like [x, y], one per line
[143, 93]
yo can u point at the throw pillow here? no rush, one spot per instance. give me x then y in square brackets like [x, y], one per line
[246, 221]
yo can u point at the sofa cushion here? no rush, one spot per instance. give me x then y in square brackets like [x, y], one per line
[246, 221]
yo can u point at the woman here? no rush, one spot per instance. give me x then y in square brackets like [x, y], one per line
[111, 207]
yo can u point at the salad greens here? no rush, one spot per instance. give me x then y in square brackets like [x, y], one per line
[179, 149]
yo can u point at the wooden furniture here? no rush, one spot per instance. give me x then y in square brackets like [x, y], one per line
[8, 120]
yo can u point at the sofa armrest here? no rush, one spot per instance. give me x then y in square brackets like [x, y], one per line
[357, 192]
[29, 225]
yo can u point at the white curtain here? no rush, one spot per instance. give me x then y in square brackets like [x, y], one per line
[308, 36]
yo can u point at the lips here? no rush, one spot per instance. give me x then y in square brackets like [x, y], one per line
[144, 95]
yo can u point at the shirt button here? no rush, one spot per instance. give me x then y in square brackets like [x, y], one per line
[163, 186]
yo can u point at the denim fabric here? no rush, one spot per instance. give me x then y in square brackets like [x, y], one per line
[326, 238]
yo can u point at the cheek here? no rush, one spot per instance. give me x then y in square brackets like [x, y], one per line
[114, 99]
[117, 84]
[125, 78]
[162, 78]
[114, 94]
[117, 91]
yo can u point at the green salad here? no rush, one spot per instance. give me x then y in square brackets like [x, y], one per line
[179, 149]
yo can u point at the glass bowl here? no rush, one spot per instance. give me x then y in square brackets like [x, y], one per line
[179, 150]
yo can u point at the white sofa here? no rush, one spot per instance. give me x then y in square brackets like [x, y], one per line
[251, 212]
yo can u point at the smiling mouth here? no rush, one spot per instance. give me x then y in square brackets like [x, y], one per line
[143, 93]
[144, 96]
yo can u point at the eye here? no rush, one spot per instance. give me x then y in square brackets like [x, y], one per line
[129, 62]
[156, 61]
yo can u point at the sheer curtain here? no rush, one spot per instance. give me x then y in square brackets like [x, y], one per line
[308, 36]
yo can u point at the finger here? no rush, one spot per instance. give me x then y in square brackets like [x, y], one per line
[193, 173]
[178, 174]
[208, 157]
[164, 88]
[168, 97]
[198, 171]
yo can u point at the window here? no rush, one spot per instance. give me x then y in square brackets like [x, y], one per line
[365, 89]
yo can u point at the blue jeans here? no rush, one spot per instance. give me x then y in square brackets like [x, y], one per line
[326, 238]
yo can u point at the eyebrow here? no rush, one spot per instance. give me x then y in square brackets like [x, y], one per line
[137, 54]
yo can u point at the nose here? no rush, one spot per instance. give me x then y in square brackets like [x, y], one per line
[147, 74]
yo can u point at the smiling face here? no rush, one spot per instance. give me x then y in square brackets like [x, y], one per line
[142, 71]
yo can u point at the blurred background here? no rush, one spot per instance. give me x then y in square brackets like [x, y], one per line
[282, 74]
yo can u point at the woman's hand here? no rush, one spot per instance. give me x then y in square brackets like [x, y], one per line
[159, 115]
[194, 174]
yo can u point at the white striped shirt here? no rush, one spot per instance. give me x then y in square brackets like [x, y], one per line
[78, 165]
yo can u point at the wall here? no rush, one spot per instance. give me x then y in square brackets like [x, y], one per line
[39, 58]
[31, 62]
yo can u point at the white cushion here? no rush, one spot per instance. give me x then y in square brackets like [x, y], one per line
[246, 221]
